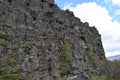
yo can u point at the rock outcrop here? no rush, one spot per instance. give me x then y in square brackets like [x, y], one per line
[39, 41]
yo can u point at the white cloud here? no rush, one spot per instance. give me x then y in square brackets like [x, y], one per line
[113, 53]
[116, 2]
[99, 16]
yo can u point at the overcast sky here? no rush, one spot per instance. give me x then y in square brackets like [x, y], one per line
[104, 15]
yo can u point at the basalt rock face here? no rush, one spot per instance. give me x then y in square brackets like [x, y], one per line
[38, 41]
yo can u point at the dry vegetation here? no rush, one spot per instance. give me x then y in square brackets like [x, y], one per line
[108, 70]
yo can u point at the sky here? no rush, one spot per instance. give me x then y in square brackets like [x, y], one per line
[104, 15]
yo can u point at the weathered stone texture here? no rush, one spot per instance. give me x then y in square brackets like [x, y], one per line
[40, 34]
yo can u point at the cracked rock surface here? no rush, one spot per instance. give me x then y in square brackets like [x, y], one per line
[39, 41]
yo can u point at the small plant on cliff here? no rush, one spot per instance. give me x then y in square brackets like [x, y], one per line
[65, 60]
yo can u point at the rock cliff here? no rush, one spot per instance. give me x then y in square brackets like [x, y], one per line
[39, 41]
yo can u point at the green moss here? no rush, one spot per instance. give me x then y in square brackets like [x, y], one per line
[16, 68]
[3, 43]
[9, 52]
[12, 60]
[4, 36]
[42, 50]
[63, 78]
[29, 71]
[65, 54]
[60, 78]
[103, 77]
[65, 59]
[90, 52]
[46, 73]
[9, 68]
[10, 65]
[66, 48]
[90, 60]
[26, 45]
[9, 59]
[98, 78]
[64, 71]
[12, 77]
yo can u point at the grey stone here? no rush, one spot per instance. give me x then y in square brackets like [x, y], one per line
[40, 34]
